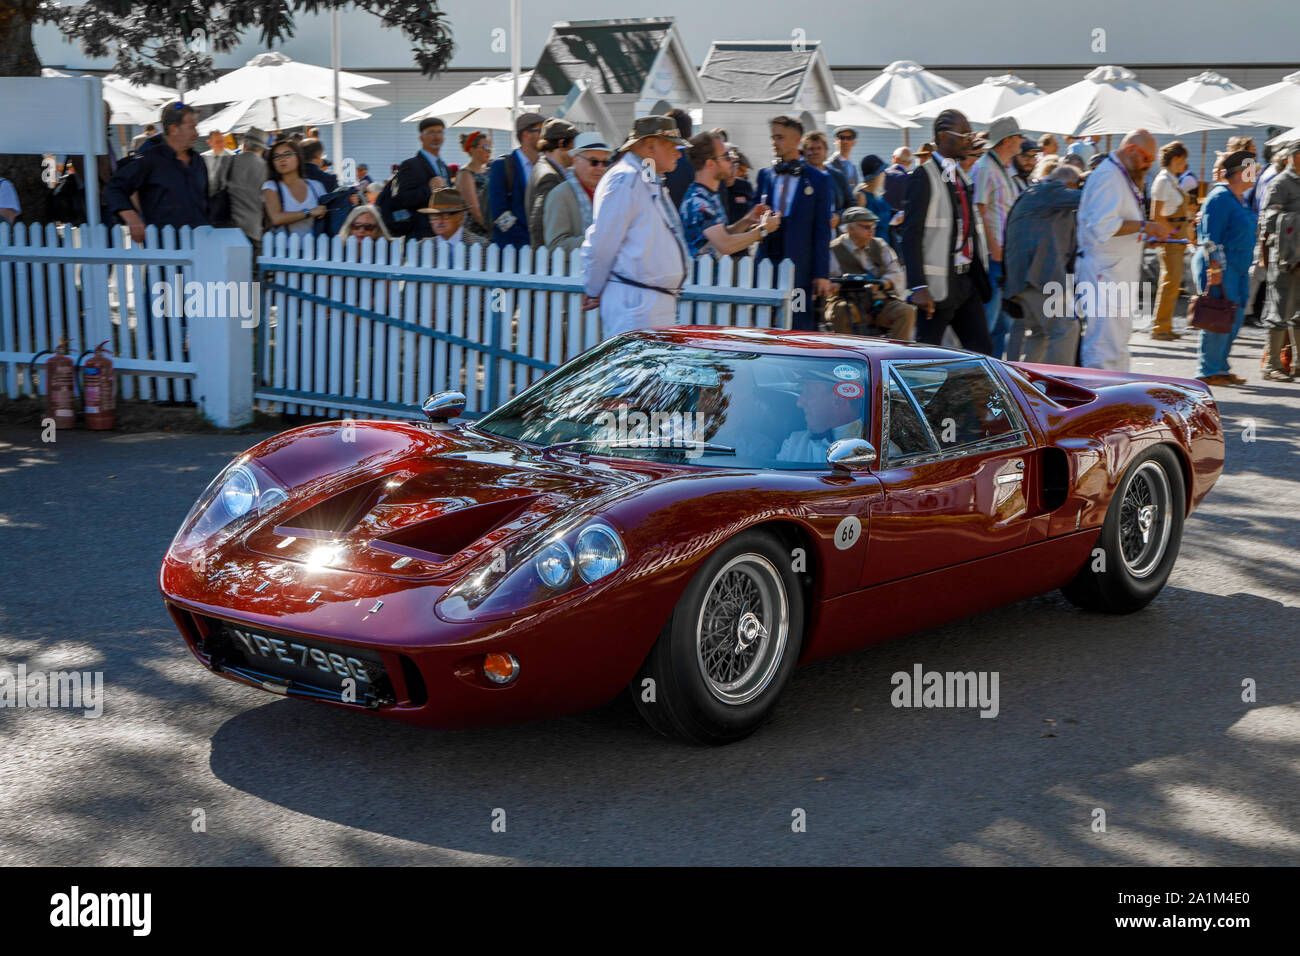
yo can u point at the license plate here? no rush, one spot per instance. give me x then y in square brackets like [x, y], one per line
[306, 661]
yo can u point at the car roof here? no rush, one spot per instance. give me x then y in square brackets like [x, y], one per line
[790, 342]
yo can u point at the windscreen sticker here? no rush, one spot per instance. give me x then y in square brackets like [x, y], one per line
[679, 374]
[847, 373]
[848, 390]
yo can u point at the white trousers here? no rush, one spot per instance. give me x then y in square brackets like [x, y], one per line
[1107, 295]
[624, 308]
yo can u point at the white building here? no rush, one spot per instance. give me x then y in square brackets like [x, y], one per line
[747, 82]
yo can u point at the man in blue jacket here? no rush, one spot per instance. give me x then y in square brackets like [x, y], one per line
[508, 184]
[419, 177]
[802, 195]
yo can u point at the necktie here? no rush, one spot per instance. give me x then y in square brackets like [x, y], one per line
[964, 202]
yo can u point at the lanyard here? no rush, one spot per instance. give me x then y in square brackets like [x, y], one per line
[1137, 196]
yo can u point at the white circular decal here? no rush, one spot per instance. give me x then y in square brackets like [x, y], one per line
[846, 373]
[847, 533]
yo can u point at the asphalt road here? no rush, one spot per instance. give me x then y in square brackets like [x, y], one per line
[1139, 716]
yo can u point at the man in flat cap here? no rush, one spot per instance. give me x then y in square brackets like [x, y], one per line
[508, 179]
[555, 144]
[634, 253]
[876, 308]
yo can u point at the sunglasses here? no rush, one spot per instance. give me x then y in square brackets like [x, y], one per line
[276, 157]
[599, 162]
[846, 138]
[444, 215]
[364, 227]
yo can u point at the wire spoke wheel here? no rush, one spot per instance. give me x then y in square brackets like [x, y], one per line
[742, 629]
[1144, 521]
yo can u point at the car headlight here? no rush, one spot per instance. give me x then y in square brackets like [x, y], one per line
[599, 552]
[535, 571]
[242, 491]
[555, 565]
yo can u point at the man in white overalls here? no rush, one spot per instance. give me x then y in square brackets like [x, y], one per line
[1108, 271]
[634, 253]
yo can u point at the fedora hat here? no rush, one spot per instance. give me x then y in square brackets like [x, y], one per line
[665, 127]
[446, 200]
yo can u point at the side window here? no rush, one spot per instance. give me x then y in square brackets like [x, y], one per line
[907, 433]
[960, 401]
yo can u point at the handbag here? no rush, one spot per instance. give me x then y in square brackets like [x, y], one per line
[1211, 314]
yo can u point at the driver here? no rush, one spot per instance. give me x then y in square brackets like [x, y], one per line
[832, 410]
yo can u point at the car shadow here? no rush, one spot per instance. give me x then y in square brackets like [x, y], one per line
[1139, 716]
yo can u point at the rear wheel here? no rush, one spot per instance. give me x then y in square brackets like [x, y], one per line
[1139, 540]
[729, 648]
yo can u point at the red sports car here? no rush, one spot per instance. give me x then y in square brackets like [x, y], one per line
[688, 514]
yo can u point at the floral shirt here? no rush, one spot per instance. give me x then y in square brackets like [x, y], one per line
[701, 209]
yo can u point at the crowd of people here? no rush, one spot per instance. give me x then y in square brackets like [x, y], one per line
[1021, 248]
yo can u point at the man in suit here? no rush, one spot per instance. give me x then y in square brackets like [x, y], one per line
[508, 179]
[217, 158]
[555, 144]
[568, 210]
[421, 175]
[244, 181]
[802, 195]
[942, 242]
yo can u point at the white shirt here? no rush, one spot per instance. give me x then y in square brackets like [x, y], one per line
[786, 185]
[1109, 199]
[952, 174]
[634, 230]
[1165, 189]
[288, 203]
[527, 164]
[800, 446]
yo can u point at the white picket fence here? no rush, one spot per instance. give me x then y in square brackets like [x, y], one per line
[342, 328]
[89, 287]
[374, 328]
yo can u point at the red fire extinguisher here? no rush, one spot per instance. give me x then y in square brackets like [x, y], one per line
[60, 401]
[97, 389]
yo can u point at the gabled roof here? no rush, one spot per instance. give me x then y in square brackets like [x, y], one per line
[759, 71]
[616, 55]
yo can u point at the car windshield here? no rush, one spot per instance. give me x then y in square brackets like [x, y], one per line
[641, 398]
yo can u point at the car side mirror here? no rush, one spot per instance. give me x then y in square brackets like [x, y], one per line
[849, 454]
[441, 406]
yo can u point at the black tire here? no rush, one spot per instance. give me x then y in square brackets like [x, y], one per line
[707, 687]
[1134, 565]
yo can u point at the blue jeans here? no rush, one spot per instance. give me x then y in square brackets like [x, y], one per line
[1214, 347]
[999, 321]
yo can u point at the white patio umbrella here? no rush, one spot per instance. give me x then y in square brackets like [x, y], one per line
[277, 112]
[1277, 104]
[357, 99]
[273, 75]
[855, 111]
[486, 102]
[158, 95]
[984, 102]
[905, 84]
[1203, 88]
[1111, 100]
[1198, 90]
[125, 108]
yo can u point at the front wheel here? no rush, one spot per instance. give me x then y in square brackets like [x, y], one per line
[729, 648]
[1139, 540]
